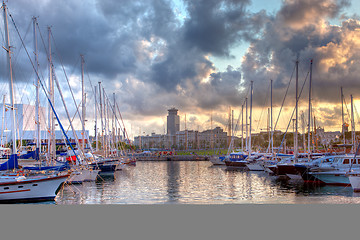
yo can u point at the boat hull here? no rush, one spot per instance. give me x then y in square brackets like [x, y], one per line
[329, 178]
[284, 169]
[355, 183]
[304, 173]
[240, 164]
[82, 175]
[217, 160]
[255, 167]
[32, 189]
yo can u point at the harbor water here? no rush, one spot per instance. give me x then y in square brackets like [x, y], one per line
[197, 182]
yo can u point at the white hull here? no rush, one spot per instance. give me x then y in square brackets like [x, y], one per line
[37, 188]
[255, 167]
[82, 175]
[216, 161]
[355, 183]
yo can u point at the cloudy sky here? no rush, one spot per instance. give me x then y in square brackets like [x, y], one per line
[196, 55]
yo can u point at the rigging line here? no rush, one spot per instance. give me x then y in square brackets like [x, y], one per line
[51, 105]
[302, 88]
[92, 88]
[127, 136]
[262, 111]
[307, 74]
[282, 104]
[113, 110]
[77, 109]
[66, 77]
[45, 48]
[18, 52]
[357, 114]
[347, 110]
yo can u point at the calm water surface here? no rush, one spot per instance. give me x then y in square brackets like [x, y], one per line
[198, 183]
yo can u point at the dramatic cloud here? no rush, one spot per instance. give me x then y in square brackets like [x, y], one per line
[157, 54]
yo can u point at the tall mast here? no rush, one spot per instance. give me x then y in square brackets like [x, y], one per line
[115, 135]
[37, 104]
[246, 125]
[352, 125]
[83, 103]
[105, 124]
[232, 127]
[96, 132]
[51, 135]
[309, 117]
[242, 127]
[251, 95]
[342, 116]
[101, 118]
[11, 85]
[3, 122]
[212, 131]
[271, 117]
[268, 130]
[297, 114]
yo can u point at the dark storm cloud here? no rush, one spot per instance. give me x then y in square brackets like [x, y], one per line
[300, 30]
[214, 26]
[155, 59]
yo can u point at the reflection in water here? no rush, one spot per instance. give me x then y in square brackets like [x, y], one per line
[173, 171]
[198, 183]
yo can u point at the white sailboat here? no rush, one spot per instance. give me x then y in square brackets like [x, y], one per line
[15, 185]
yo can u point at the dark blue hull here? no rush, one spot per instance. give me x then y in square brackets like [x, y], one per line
[304, 173]
[104, 167]
[28, 200]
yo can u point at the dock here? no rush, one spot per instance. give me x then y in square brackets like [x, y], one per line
[173, 158]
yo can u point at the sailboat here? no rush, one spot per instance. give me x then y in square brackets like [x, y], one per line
[17, 185]
[239, 159]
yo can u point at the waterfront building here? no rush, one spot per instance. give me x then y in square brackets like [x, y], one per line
[25, 121]
[173, 122]
[26, 125]
[187, 139]
[213, 138]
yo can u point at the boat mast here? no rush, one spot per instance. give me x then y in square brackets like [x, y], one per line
[296, 115]
[101, 118]
[105, 124]
[309, 117]
[232, 127]
[3, 121]
[37, 105]
[268, 130]
[242, 127]
[246, 125]
[11, 85]
[342, 116]
[271, 118]
[251, 95]
[83, 102]
[352, 125]
[115, 127]
[96, 133]
[51, 135]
